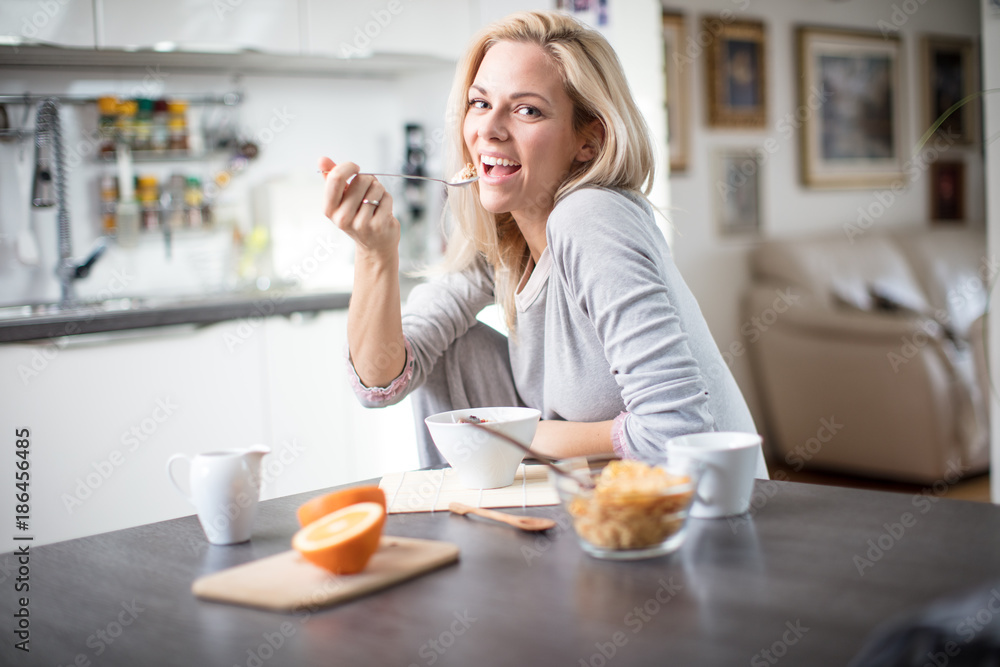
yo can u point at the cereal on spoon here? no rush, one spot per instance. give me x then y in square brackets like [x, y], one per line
[467, 173]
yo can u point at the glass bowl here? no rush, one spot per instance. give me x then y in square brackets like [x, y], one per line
[636, 509]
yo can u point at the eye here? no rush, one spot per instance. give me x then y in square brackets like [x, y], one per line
[530, 112]
[479, 104]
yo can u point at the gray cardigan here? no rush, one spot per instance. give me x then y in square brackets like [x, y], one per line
[606, 329]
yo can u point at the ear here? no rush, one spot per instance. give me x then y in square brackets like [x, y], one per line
[593, 138]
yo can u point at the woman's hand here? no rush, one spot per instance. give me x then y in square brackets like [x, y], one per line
[371, 225]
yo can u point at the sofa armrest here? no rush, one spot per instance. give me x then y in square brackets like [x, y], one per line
[890, 382]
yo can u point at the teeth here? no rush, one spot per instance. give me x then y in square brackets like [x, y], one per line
[494, 161]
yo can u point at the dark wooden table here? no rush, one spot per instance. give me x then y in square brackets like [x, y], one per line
[804, 581]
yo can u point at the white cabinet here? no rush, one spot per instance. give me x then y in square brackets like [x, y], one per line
[63, 22]
[105, 412]
[422, 27]
[265, 25]
[320, 433]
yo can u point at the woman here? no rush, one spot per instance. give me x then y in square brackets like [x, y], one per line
[606, 339]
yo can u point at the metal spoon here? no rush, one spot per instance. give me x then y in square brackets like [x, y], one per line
[454, 184]
[529, 523]
[585, 483]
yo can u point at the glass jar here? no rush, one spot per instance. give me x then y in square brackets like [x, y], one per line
[143, 125]
[109, 195]
[172, 201]
[125, 122]
[107, 118]
[149, 202]
[194, 200]
[160, 135]
[177, 125]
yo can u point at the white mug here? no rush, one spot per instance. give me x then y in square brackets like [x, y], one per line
[224, 489]
[729, 461]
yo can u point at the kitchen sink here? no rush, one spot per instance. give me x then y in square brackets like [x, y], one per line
[134, 303]
[54, 309]
[48, 320]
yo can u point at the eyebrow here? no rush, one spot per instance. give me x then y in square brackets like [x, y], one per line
[515, 96]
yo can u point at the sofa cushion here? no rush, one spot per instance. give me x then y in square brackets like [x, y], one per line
[851, 293]
[950, 263]
[895, 296]
[836, 271]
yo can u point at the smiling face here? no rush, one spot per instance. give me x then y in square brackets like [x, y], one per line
[519, 131]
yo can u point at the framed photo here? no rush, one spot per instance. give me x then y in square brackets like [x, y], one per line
[949, 76]
[675, 72]
[737, 74]
[850, 92]
[592, 12]
[947, 185]
[737, 191]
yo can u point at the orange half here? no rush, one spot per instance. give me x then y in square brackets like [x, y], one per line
[320, 506]
[344, 541]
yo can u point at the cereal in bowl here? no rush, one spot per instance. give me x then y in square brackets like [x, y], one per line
[633, 506]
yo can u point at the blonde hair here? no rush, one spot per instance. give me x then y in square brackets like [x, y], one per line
[595, 83]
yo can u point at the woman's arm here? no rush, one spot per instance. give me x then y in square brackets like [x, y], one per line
[374, 323]
[374, 328]
[560, 439]
[611, 257]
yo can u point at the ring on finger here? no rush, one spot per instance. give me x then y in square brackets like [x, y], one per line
[373, 202]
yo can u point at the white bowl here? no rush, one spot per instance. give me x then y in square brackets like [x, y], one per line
[483, 461]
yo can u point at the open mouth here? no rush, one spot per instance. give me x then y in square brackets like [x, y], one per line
[498, 166]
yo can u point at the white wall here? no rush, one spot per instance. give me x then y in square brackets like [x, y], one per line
[634, 32]
[991, 119]
[715, 267]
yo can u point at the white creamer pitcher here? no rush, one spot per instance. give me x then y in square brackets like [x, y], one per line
[224, 489]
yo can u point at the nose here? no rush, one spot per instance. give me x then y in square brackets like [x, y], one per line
[494, 126]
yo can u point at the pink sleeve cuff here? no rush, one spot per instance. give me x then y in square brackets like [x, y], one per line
[618, 436]
[381, 395]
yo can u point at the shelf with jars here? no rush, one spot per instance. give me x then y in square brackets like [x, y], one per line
[156, 130]
[147, 130]
[164, 198]
[175, 203]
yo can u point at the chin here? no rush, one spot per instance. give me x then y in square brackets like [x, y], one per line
[493, 204]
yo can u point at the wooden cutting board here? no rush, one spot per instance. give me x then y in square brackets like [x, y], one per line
[288, 582]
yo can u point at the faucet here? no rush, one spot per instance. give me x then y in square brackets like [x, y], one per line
[49, 150]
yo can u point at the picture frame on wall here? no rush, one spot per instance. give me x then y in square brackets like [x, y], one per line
[949, 76]
[592, 12]
[737, 191]
[947, 191]
[676, 78]
[852, 85]
[736, 70]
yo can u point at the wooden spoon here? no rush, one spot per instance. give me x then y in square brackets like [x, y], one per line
[529, 523]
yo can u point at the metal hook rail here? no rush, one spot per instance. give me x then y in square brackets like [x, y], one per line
[29, 100]
[227, 99]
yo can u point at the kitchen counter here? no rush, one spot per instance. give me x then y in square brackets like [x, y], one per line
[23, 323]
[807, 578]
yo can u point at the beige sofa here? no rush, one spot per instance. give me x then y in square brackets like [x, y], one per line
[868, 353]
